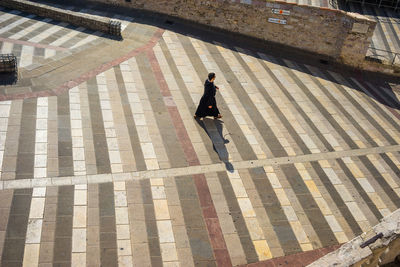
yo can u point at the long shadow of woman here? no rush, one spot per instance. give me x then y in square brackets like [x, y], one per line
[214, 129]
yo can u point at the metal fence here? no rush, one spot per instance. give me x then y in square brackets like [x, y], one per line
[392, 58]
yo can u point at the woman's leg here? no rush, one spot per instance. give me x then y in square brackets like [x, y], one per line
[217, 115]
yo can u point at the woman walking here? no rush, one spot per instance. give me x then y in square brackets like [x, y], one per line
[208, 105]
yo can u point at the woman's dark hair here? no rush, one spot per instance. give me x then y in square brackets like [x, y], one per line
[211, 75]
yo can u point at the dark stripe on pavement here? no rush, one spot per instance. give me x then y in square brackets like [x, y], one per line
[108, 232]
[99, 135]
[65, 161]
[151, 224]
[195, 227]
[238, 219]
[63, 234]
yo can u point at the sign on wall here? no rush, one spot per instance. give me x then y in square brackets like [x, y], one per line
[277, 21]
[281, 11]
[360, 28]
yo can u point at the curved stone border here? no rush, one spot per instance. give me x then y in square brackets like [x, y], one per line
[86, 76]
[379, 246]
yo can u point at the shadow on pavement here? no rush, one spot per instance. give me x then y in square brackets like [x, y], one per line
[214, 129]
[8, 78]
[255, 47]
[378, 86]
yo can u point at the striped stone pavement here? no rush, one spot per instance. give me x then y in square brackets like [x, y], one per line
[116, 172]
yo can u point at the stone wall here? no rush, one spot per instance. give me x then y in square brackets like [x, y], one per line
[74, 18]
[384, 250]
[340, 35]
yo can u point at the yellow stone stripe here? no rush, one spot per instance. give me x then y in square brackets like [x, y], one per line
[249, 214]
[88, 144]
[166, 237]
[40, 164]
[138, 89]
[109, 127]
[122, 225]
[36, 213]
[34, 229]
[120, 128]
[78, 150]
[79, 224]
[133, 83]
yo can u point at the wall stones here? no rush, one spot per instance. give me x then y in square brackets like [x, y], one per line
[343, 36]
[318, 30]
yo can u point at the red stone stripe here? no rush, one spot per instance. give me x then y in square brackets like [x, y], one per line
[88, 75]
[207, 206]
[295, 260]
[15, 41]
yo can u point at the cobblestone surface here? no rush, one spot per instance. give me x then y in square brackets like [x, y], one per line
[102, 163]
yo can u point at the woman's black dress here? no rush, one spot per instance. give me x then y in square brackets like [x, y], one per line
[208, 99]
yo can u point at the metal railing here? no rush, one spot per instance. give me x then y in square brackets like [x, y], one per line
[389, 56]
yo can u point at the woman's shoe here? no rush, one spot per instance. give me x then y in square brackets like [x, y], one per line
[218, 117]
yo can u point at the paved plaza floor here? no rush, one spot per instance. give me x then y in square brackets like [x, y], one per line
[103, 164]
